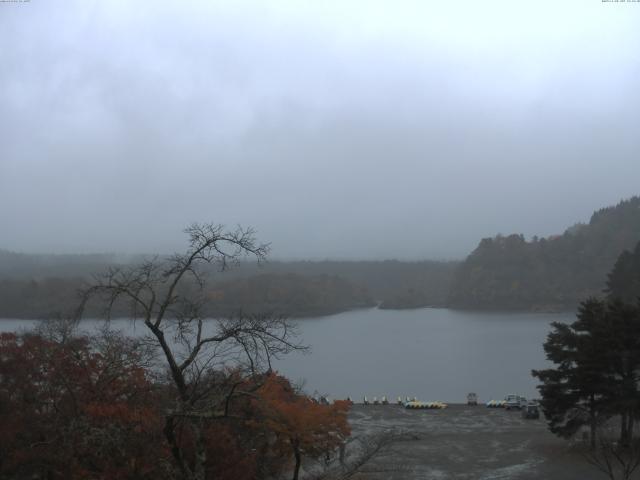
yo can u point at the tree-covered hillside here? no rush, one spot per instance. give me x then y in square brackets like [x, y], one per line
[623, 282]
[287, 294]
[16, 265]
[37, 286]
[404, 284]
[555, 273]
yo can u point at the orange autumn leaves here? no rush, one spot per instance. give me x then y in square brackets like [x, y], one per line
[90, 408]
[297, 423]
[69, 411]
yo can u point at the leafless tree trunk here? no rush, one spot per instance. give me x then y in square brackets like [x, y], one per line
[298, 459]
[168, 296]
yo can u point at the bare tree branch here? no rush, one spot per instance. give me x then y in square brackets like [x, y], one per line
[169, 295]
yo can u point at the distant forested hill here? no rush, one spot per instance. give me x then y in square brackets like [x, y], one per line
[40, 286]
[504, 272]
[393, 283]
[287, 294]
[22, 265]
[623, 282]
[555, 273]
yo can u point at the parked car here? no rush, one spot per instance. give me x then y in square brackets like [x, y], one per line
[531, 411]
[514, 402]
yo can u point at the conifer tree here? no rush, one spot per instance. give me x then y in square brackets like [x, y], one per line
[596, 376]
[574, 393]
[624, 280]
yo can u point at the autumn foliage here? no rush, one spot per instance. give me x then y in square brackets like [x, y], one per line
[298, 425]
[93, 408]
[69, 411]
[194, 400]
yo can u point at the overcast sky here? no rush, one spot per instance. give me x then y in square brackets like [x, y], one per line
[338, 129]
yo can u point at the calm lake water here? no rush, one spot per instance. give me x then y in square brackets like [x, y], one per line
[434, 354]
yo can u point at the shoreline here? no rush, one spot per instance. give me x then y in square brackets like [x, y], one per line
[468, 442]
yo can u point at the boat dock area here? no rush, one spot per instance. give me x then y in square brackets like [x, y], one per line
[467, 442]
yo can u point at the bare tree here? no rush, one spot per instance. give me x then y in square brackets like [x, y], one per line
[363, 458]
[209, 361]
[616, 460]
[59, 329]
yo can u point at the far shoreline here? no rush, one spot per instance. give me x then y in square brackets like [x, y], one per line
[332, 313]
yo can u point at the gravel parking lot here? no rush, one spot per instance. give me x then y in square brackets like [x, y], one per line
[466, 442]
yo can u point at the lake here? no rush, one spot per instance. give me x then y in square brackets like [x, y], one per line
[433, 354]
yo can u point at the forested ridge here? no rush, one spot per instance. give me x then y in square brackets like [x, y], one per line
[41, 286]
[554, 273]
[288, 294]
[503, 272]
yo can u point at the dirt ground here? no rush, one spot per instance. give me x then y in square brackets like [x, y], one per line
[466, 442]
